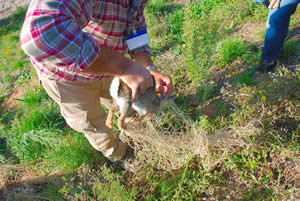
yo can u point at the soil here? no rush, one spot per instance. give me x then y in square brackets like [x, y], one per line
[12, 101]
[7, 7]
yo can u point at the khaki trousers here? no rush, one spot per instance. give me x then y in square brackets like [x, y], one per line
[80, 105]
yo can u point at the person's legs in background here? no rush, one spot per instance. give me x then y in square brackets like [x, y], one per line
[277, 25]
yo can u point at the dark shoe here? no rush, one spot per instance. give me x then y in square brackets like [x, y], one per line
[128, 162]
[265, 67]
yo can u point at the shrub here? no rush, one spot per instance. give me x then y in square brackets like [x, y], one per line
[95, 185]
[175, 23]
[32, 145]
[229, 50]
[73, 151]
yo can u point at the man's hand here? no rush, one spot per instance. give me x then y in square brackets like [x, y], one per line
[111, 62]
[274, 4]
[137, 78]
[163, 83]
[134, 74]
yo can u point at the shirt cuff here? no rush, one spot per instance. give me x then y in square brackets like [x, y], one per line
[145, 48]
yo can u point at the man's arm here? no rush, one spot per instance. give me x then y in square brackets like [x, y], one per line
[163, 82]
[137, 23]
[52, 34]
[142, 55]
[111, 62]
[143, 58]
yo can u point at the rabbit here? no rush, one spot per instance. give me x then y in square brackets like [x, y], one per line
[148, 102]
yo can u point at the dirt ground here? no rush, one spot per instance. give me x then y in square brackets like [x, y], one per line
[9, 6]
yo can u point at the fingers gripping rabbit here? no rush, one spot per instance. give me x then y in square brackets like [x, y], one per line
[148, 102]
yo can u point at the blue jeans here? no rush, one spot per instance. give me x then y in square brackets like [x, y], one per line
[277, 26]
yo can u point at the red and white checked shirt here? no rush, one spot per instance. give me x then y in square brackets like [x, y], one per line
[62, 37]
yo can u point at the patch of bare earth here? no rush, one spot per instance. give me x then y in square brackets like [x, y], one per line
[20, 183]
[8, 7]
[250, 32]
[12, 101]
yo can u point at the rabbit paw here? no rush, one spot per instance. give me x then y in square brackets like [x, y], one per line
[109, 122]
[121, 126]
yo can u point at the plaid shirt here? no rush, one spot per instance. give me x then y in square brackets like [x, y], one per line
[62, 37]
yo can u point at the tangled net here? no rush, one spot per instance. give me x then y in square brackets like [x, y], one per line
[170, 139]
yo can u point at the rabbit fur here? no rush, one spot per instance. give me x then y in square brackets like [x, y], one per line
[148, 102]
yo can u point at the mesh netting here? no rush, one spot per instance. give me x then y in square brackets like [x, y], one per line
[170, 139]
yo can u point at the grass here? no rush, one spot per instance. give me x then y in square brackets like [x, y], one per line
[251, 124]
[229, 50]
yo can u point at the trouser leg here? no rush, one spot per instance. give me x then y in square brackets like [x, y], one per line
[277, 28]
[80, 106]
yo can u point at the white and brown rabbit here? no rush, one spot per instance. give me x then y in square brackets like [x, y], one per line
[148, 102]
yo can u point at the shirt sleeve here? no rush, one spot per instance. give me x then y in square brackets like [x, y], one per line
[137, 22]
[52, 34]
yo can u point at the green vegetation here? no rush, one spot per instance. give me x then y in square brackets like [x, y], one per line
[209, 48]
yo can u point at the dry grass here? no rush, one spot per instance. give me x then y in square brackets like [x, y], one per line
[169, 145]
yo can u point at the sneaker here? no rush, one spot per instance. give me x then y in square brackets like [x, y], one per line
[265, 67]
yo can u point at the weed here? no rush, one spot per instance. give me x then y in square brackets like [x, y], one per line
[34, 97]
[291, 48]
[51, 192]
[229, 50]
[199, 38]
[157, 7]
[96, 185]
[186, 184]
[14, 23]
[206, 92]
[46, 117]
[7, 117]
[175, 23]
[245, 78]
[73, 151]
[31, 145]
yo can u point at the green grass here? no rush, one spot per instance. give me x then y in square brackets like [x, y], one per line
[245, 78]
[229, 50]
[38, 132]
[290, 48]
[72, 151]
[196, 44]
[175, 24]
[14, 68]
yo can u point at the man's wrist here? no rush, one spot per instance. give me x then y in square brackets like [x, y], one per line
[143, 58]
[151, 68]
